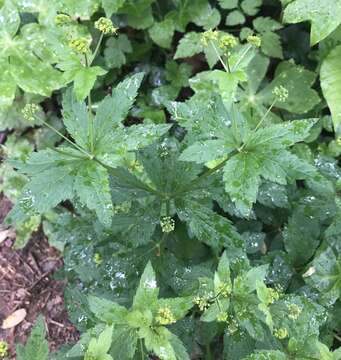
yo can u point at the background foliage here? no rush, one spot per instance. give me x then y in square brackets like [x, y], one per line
[184, 158]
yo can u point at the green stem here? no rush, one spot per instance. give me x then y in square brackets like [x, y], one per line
[91, 117]
[65, 138]
[97, 49]
[142, 350]
[208, 352]
[225, 66]
[241, 57]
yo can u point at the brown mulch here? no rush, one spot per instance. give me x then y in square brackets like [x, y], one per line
[26, 281]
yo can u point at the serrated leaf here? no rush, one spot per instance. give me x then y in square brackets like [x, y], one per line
[178, 306]
[189, 45]
[36, 347]
[330, 83]
[234, 18]
[112, 6]
[115, 51]
[84, 80]
[296, 80]
[251, 7]
[162, 33]
[228, 4]
[9, 19]
[148, 291]
[92, 188]
[320, 13]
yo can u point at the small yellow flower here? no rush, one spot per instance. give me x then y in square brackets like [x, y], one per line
[227, 41]
[3, 349]
[165, 316]
[274, 295]
[29, 112]
[281, 333]
[105, 26]
[80, 45]
[202, 303]
[222, 317]
[224, 290]
[98, 259]
[281, 93]
[254, 40]
[209, 35]
[294, 311]
[62, 19]
[167, 224]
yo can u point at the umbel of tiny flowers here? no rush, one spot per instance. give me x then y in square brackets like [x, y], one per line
[62, 19]
[223, 317]
[281, 333]
[105, 26]
[209, 35]
[294, 311]
[165, 316]
[3, 349]
[281, 93]
[254, 40]
[227, 41]
[167, 224]
[29, 112]
[79, 45]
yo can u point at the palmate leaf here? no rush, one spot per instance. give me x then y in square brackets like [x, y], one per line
[68, 173]
[320, 13]
[36, 347]
[253, 155]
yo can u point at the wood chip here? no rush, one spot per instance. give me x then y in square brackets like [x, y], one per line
[14, 319]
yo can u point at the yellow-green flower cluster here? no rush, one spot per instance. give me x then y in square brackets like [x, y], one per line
[122, 208]
[29, 112]
[233, 325]
[281, 93]
[224, 290]
[202, 302]
[98, 259]
[167, 224]
[62, 19]
[274, 295]
[254, 40]
[3, 349]
[223, 317]
[209, 35]
[294, 311]
[79, 45]
[281, 333]
[165, 316]
[227, 41]
[105, 26]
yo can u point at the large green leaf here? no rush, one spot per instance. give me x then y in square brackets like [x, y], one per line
[321, 13]
[331, 85]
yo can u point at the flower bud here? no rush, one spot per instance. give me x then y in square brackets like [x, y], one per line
[79, 45]
[29, 112]
[62, 19]
[165, 316]
[105, 26]
[167, 224]
[3, 349]
[209, 35]
[227, 41]
[254, 40]
[281, 93]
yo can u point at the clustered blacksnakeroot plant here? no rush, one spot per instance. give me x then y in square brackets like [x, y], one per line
[196, 205]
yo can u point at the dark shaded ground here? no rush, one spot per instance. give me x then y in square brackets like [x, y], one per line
[26, 281]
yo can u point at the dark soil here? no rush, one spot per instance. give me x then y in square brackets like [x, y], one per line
[26, 281]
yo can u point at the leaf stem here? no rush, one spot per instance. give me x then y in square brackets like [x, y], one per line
[241, 57]
[65, 138]
[142, 350]
[91, 117]
[97, 49]
[225, 66]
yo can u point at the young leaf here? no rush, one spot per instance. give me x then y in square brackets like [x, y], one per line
[36, 347]
[98, 348]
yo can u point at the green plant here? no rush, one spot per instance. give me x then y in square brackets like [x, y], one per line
[187, 158]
